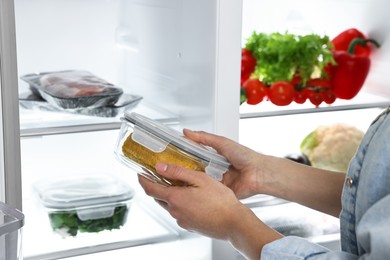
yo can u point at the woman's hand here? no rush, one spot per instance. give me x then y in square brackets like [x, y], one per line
[254, 173]
[208, 207]
[244, 177]
[204, 205]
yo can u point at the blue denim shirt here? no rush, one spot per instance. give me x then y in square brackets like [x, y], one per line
[365, 215]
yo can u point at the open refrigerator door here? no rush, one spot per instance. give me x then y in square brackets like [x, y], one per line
[11, 224]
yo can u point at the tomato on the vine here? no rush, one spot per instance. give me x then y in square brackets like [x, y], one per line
[320, 91]
[300, 96]
[314, 95]
[328, 96]
[244, 78]
[281, 93]
[296, 81]
[255, 91]
[318, 83]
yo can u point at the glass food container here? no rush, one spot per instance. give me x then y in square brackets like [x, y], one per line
[84, 203]
[143, 142]
[11, 223]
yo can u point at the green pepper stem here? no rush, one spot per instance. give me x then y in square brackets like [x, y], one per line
[361, 42]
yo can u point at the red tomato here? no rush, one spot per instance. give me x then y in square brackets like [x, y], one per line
[318, 83]
[281, 93]
[255, 91]
[248, 62]
[314, 95]
[328, 96]
[296, 80]
[300, 96]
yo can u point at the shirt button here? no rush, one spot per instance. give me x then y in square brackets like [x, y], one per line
[349, 182]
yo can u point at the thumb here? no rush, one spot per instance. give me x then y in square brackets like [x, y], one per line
[177, 174]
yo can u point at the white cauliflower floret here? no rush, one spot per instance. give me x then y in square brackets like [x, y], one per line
[332, 147]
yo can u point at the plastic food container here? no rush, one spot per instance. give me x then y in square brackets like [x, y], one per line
[84, 203]
[29, 100]
[143, 142]
[11, 223]
[73, 89]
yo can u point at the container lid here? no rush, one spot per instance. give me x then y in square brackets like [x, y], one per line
[78, 191]
[217, 164]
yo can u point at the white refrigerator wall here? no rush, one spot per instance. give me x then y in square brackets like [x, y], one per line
[182, 56]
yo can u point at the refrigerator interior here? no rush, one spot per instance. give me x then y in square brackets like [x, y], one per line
[279, 130]
[173, 54]
[167, 52]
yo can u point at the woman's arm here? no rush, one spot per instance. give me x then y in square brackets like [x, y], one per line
[312, 187]
[253, 173]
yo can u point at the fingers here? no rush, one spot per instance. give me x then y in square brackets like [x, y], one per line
[177, 173]
[212, 140]
[163, 204]
[153, 189]
[172, 172]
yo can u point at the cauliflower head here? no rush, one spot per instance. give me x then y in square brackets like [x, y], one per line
[332, 147]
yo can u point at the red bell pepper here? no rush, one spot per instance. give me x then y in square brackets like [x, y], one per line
[348, 76]
[342, 41]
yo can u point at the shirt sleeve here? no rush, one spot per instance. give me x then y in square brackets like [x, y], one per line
[294, 248]
[372, 235]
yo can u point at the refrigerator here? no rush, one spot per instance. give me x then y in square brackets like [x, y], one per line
[183, 58]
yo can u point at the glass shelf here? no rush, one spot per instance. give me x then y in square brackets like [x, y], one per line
[35, 122]
[140, 229]
[363, 100]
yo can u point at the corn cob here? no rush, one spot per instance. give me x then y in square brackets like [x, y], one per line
[147, 158]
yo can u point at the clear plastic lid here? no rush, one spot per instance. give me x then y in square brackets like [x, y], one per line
[157, 136]
[81, 191]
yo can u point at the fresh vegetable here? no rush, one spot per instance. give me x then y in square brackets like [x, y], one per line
[328, 96]
[280, 57]
[314, 95]
[248, 64]
[255, 91]
[349, 75]
[319, 90]
[68, 223]
[332, 146]
[342, 41]
[318, 83]
[300, 96]
[242, 95]
[281, 93]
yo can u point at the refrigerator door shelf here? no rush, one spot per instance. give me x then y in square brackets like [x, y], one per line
[11, 223]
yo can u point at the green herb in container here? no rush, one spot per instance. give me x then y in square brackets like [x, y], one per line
[85, 203]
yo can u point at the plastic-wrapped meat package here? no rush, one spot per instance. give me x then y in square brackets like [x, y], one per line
[73, 89]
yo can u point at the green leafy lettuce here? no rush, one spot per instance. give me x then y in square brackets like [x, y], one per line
[281, 56]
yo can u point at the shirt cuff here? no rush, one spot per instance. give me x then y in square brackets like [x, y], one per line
[291, 247]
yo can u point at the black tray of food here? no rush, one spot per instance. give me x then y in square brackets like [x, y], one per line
[29, 100]
[73, 89]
